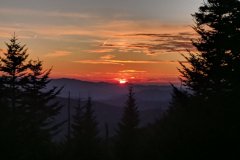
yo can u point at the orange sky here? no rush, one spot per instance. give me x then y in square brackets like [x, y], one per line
[142, 44]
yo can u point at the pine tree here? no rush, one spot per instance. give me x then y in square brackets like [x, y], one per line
[28, 108]
[85, 140]
[77, 126]
[4, 120]
[13, 70]
[3, 104]
[215, 68]
[40, 110]
[206, 118]
[214, 71]
[127, 133]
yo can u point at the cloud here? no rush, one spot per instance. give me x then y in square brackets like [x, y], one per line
[58, 54]
[173, 79]
[132, 71]
[151, 44]
[30, 12]
[107, 57]
[96, 62]
[110, 35]
[121, 62]
[101, 50]
[3, 51]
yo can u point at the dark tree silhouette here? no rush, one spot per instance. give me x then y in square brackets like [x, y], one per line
[204, 122]
[127, 133]
[85, 141]
[40, 110]
[3, 104]
[4, 121]
[13, 70]
[215, 67]
[214, 71]
[28, 107]
[77, 120]
[179, 132]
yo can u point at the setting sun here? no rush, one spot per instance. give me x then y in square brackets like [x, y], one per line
[122, 81]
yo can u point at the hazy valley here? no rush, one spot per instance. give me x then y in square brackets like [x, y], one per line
[109, 100]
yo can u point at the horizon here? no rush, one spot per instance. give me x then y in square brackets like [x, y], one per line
[136, 41]
[114, 82]
[119, 80]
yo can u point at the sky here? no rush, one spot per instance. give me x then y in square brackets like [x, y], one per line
[140, 41]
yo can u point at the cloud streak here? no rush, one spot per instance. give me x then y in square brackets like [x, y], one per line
[132, 71]
[133, 38]
[101, 50]
[121, 62]
[107, 57]
[30, 12]
[151, 44]
[56, 54]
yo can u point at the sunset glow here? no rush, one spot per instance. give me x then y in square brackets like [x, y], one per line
[122, 81]
[95, 41]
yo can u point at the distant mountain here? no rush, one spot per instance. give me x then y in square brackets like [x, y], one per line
[109, 100]
[147, 96]
[97, 90]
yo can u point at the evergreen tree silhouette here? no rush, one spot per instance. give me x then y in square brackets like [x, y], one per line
[77, 125]
[27, 108]
[40, 110]
[127, 133]
[215, 67]
[180, 132]
[4, 121]
[14, 70]
[204, 122]
[85, 140]
[13, 67]
[213, 75]
[4, 109]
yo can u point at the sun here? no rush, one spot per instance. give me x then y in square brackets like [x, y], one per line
[122, 81]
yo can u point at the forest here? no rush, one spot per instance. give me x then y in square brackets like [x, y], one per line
[201, 122]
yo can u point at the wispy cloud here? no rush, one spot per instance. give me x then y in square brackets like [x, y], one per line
[101, 50]
[96, 62]
[107, 57]
[152, 44]
[122, 36]
[1, 51]
[132, 71]
[30, 12]
[58, 54]
[121, 62]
